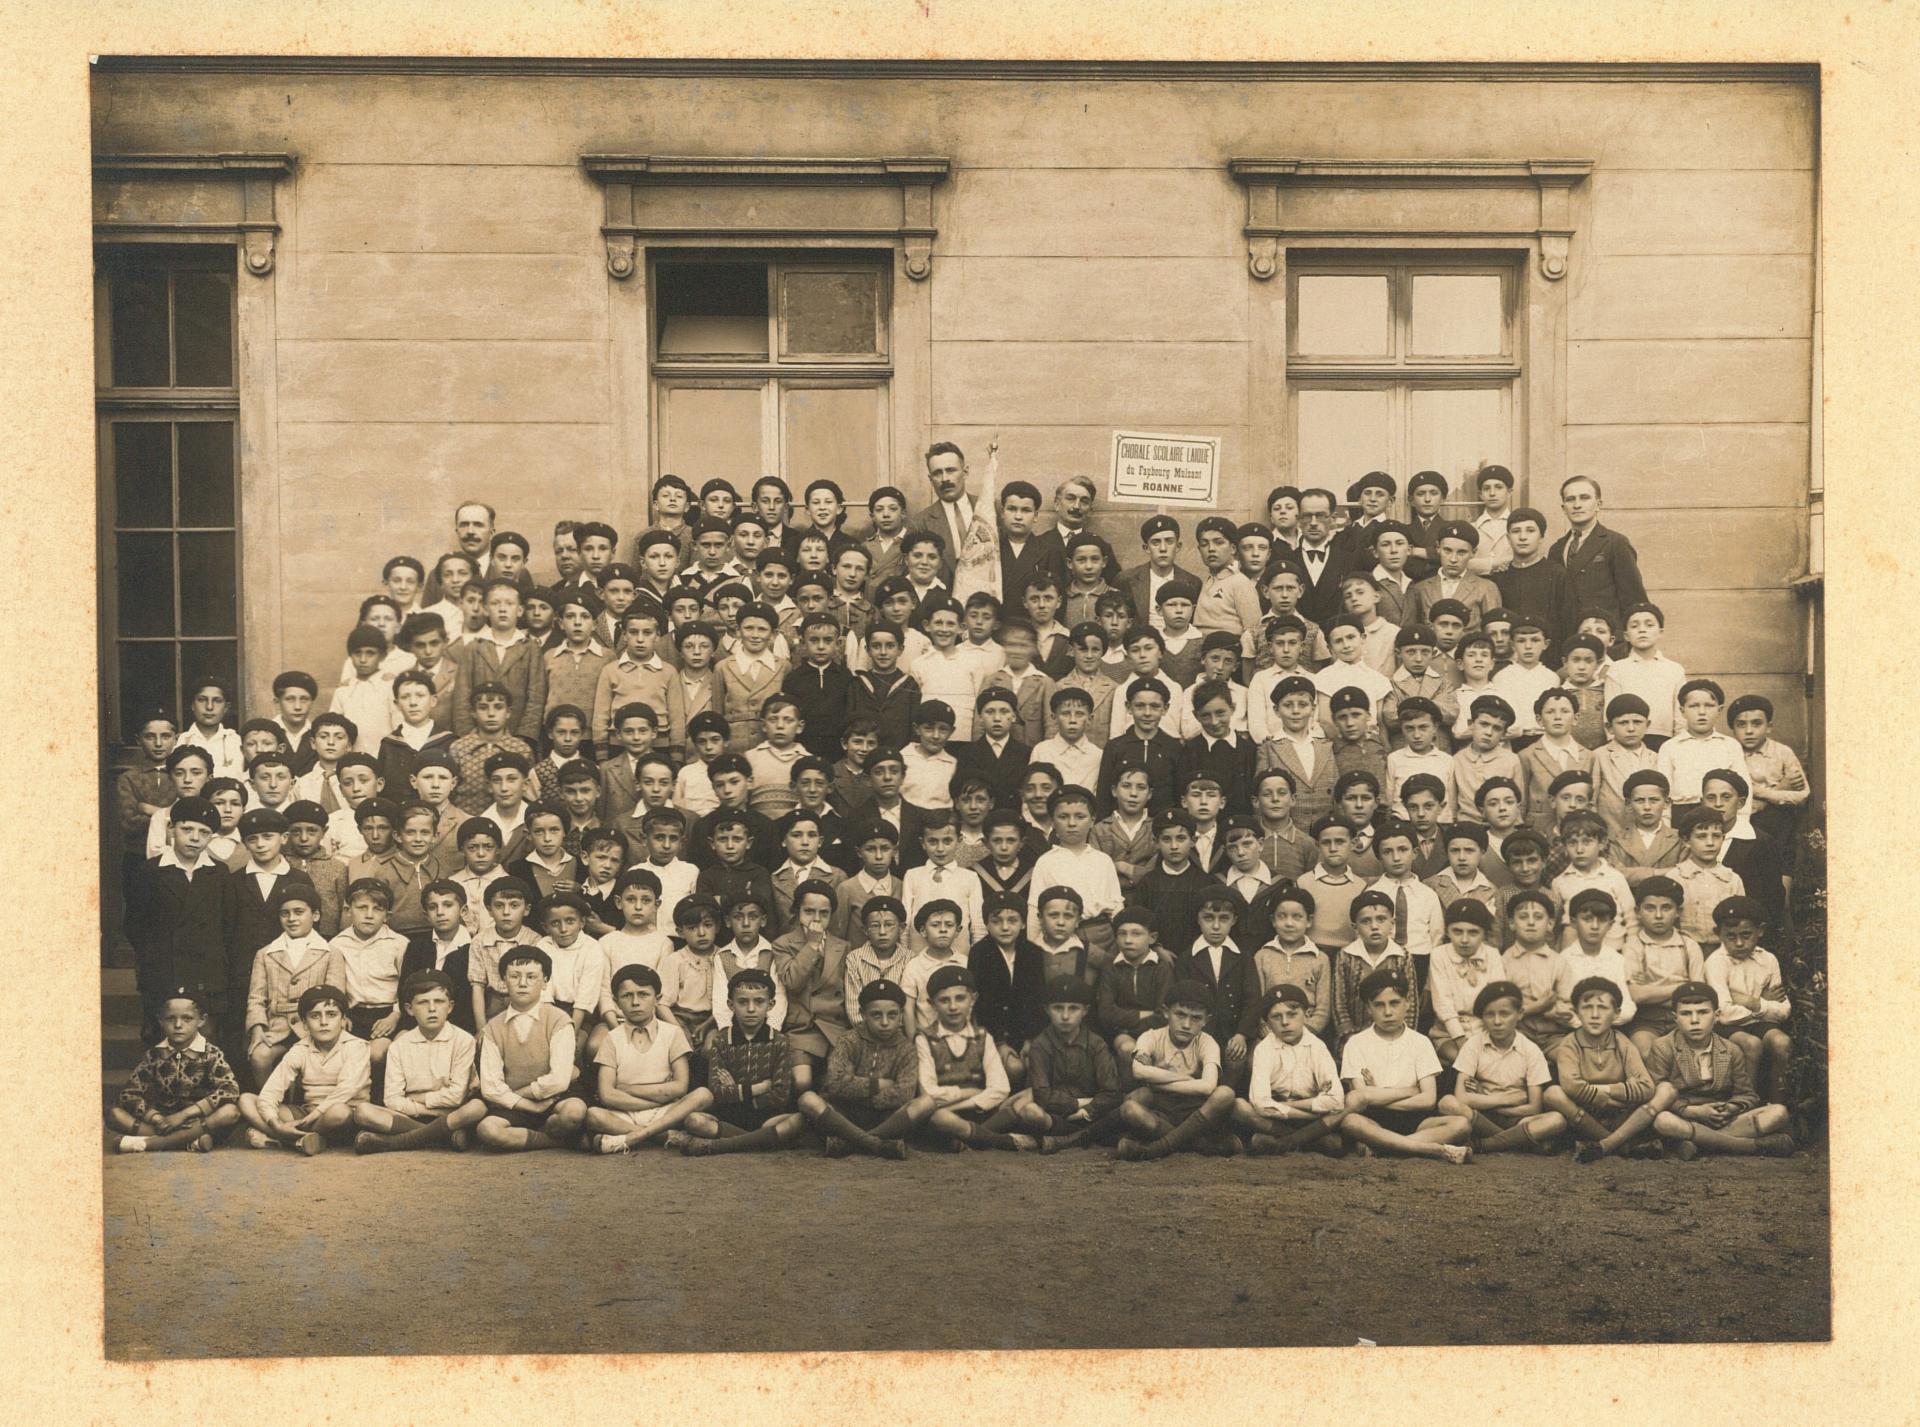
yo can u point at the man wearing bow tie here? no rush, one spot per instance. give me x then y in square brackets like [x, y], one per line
[1322, 559]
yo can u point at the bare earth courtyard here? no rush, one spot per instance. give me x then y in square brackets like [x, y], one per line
[265, 1254]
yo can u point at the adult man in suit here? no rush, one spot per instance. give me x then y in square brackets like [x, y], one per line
[1024, 554]
[1601, 564]
[1072, 504]
[1323, 558]
[473, 537]
[1160, 536]
[951, 513]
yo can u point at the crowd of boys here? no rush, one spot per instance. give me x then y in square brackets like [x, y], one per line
[1390, 835]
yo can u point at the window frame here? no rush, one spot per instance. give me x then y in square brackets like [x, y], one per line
[172, 406]
[1400, 373]
[776, 375]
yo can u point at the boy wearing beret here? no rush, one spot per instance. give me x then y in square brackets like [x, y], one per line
[1133, 987]
[1486, 756]
[1584, 836]
[1457, 974]
[1754, 1005]
[509, 903]
[1590, 952]
[1659, 958]
[1705, 1101]
[1180, 1103]
[938, 923]
[642, 1069]
[1073, 1087]
[1010, 978]
[870, 1100]
[1703, 877]
[751, 1078]
[1293, 1097]
[284, 970]
[527, 1063]
[1372, 950]
[312, 1091]
[307, 852]
[1455, 542]
[1298, 747]
[182, 1093]
[1391, 1073]
[1501, 1078]
[1647, 845]
[1227, 599]
[428, 1097]
[960, 1070]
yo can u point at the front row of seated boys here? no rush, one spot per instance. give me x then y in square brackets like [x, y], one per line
[1531, 1047]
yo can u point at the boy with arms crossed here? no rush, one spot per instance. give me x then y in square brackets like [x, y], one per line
[1391, 1072]
[428, 1097]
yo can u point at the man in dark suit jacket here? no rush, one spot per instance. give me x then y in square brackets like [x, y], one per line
[1601, 564]
[1322, 557]
[180, 916]
[952, 510]
[1072, 503]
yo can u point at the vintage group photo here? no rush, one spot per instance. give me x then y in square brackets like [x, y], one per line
[930, 705]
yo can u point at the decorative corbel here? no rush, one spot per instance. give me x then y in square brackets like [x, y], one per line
[162, 202]
[1262, 182]
[1556, 178]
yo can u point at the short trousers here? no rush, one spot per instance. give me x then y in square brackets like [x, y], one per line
[1399, 1122]
[522, 1119]
[1177, 1111]
[744, 1117]
[637, 1122]
[865, 1117]
[361, 1019]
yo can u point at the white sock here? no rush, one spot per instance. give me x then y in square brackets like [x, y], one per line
[132, 1144]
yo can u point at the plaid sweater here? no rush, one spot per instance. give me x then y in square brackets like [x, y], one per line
[735, 1064]
[861, 1061]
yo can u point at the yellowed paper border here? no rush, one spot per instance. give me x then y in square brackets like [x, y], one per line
[50, 1243]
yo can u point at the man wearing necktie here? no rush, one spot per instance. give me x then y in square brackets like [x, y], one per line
[1320, 556]
[1602, 565]
[951, 513]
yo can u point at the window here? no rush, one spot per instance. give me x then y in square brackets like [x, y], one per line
[1403, 366]
[167, 409]
[772, 364]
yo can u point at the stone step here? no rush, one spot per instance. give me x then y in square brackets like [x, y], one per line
[121, 1047]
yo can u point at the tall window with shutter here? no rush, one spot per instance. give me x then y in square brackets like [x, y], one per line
[1404, 366]
[772, 364]
[168, 410]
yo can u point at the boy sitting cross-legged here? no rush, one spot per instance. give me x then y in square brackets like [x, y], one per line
[961, 1072]
[1072, 1097]
[1604, 1087]
[429, 1096]
[527, 1063]
[1293, 1099]
[751, 1078]
[283, 970]
[1391, 1072]
[329, 1065]
[1705, 1100]
[1180, 1101]
[1502, 1078]
[871, 1100]
[182, 1093]
[642, 1069]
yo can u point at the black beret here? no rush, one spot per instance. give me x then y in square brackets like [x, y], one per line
[1133, 916]
[319, 996]
[1455, 608]
[691, 909]
[1292, 684]
[1566, 779]
[1495, 991]
[1491, 704]
[305, 810]
[1157, 525]
[478, 827]
[1694, 991]
[526, 952]
[194, 810]
[1461, 531]
[1220, 639]
[1470, 910]
[1369, 898]
[1427, 478]
[1376, 480]
[1285, 992]
[1069, 990]
[434, 758]
[1420, 635]
[749, 976]
[1417, 707]
[938, 904]
[949, 976]
[1597, 898]
[1349, 697]
[261, 820]
[503, 886]
[882, 989]
[425, 979]
[1217, 525]
[1735, 909]
[508, 759]
[1644, 778]
[933, 711]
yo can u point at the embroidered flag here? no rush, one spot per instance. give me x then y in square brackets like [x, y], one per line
[978, 565]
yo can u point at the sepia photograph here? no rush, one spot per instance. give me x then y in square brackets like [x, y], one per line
[761, 705]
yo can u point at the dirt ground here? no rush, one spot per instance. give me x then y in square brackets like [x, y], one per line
[250, 1253]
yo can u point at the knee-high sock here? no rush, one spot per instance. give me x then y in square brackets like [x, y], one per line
[434, 1132]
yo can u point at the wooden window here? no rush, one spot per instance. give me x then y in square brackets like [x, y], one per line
[770, 363]
[168, 433]
[1404, 366]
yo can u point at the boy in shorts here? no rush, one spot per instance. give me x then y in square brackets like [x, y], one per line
[1293, 1099]
[428, 1097]
[182, 1093]
[330, 1069]
[1501, 1078]
[751, 1079]
[1180, 1103]
[641, 1071]
[961, 1072]
[1391, 1072]
[1705, 1101]
[527, 1064]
